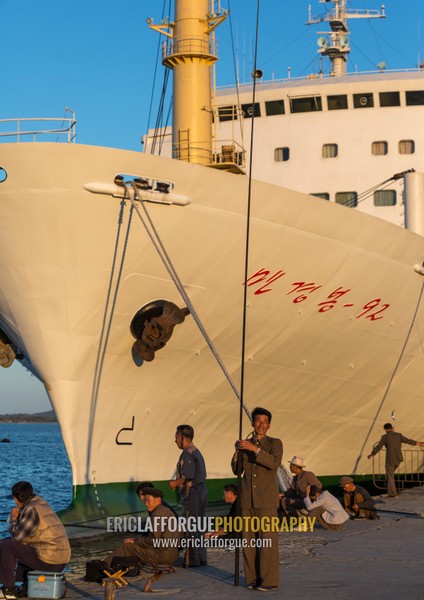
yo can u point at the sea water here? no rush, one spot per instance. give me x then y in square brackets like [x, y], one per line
[36, 454]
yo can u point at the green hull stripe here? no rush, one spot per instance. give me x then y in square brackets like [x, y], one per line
[95, 502]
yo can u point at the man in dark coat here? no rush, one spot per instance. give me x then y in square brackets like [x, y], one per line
[260, 458]
[393, 443]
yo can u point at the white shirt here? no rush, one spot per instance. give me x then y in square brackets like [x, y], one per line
[333, 511]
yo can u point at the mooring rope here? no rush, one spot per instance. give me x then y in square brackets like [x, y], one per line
[166, 259]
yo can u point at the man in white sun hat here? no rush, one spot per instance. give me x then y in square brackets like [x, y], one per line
[293, 499]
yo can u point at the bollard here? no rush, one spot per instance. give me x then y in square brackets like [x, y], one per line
[110, 589]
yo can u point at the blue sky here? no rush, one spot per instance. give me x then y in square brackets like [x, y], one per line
[98, 58]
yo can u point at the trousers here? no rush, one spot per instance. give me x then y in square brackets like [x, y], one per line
[390, 476]
[317, 512]
[260, 556]
[17, 558]
[194, 505]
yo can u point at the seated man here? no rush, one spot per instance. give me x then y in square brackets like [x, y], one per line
[230, 497]
[325, 507]
[357, 501]
[38, 540]
[160, 545]
[149, 484]
[292, 500]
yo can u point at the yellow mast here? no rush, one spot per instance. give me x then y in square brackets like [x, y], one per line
[190, 53]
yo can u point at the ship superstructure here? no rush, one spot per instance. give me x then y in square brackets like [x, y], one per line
[355, 131]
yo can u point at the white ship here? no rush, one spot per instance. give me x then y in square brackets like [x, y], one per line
[101, 246]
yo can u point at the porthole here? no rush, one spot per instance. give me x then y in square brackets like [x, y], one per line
[3, 174]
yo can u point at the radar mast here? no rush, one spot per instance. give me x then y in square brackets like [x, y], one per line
[335, 44]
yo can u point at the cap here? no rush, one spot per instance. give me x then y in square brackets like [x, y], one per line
[152, 492]
[345, 480]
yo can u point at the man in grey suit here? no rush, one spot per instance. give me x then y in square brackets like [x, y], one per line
[393, 443]
[260, 458]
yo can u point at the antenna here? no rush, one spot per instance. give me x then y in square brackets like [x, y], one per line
[337, 17]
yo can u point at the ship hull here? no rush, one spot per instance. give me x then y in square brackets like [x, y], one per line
[334, 315]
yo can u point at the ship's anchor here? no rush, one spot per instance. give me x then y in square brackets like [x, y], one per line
[153, 325]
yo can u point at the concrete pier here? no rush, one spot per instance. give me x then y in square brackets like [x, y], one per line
[381, 559]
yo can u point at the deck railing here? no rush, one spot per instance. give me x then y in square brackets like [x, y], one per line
[314, 76]
[36, 129]
[409, 473]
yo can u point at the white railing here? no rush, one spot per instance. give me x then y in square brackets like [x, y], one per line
[38, 129]
[314, 76]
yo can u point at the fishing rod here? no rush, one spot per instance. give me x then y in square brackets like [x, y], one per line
[84, 523]
[246, 269]
[104, 517]
[400, 512]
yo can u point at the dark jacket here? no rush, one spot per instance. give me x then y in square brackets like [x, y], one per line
[351, 498]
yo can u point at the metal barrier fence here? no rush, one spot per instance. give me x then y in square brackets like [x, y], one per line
[409, 473]
[39, 129]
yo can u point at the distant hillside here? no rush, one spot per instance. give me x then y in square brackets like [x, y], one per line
[42, 417]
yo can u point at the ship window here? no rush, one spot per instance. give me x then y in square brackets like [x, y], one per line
[227, 113]
[337, 102]
[248, 110]
[330, 150]
[379, 148]
[363, 100]
[415, 98]
[322, 195]
[274, 107]
[307, 104]
[347, 198]
[389, 99]
[406, 147]
[3, 174]
[282, 154]
[385, 198]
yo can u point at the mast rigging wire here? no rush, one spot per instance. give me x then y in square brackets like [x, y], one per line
[236, 75]
[379, 186]
[154, 76]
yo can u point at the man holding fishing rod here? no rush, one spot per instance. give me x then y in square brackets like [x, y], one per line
[260, 458]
